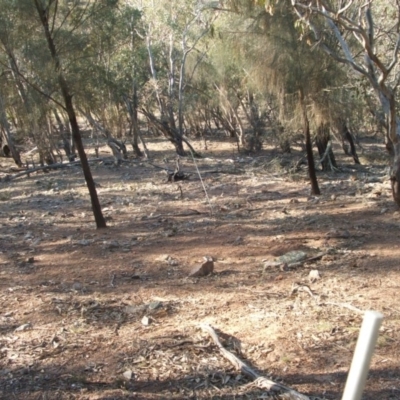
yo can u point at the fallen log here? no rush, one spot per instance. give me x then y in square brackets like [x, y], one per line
[260, 381]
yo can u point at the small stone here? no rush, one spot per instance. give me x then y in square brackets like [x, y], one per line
[384, 210]
[128, 375]
[134, 309]
[23, 327]
[77, 286]
[172, 262]
[110, 245]
[30, 260]
[163, 257]
[146, 321]
[205, 269]
[154, 305]
[337, 234]
[238, 240]
[314, 275]
[284, 267]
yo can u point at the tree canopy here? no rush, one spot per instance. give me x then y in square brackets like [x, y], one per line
[259, 70]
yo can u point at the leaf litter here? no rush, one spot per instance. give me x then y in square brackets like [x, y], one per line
[71, 322]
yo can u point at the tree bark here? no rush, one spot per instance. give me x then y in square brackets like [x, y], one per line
[373, 66]
[346, 136]
[394, 135]
[132, 107]
[310, 157]
[7, 133]
[135, 123]
[172, 135]
[323, 137]
[66, 136]
[96, 208]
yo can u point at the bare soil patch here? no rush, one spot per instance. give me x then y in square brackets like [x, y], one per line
[112, 314]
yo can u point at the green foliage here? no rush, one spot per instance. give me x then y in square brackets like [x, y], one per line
[105, 46]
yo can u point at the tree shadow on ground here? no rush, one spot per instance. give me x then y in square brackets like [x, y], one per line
[61, 382]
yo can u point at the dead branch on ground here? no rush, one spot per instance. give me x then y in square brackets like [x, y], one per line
[259, 381]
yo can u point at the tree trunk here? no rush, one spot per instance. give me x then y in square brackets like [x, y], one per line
[98, 215]
[326, 155]
[172, 135]
[132, 107]
[251, 142]
[395, 176]
[7, 133]
[394, 134]
[135, 124]
[66, 137]
[310, 157]
[346, 136]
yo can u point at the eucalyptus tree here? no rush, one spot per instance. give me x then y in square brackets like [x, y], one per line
[280, 59]
[13, 89]
[173, 31]
[281, 64]
[56, 31]
[115, 70]
[367, 40]
[50, 19]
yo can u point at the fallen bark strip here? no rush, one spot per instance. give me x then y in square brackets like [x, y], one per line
[259, 381]
[236, 171]
[169, 215]
[268, 263]
[344, 305]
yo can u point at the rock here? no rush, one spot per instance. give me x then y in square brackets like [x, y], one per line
[84, 242]
[111, 245]
[127, 375]
[292, 257]
[163, 257]
[77, 286]
[154, 305]
[172, 262]
[285, 261]
[146, 321]
[134, 309]
[284, 267]
[205, 269]
[238, 241]
[314, 275]
[23, 327]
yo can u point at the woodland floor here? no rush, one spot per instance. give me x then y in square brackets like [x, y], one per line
[73, 298]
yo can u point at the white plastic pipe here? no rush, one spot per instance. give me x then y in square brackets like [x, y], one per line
[362, 356]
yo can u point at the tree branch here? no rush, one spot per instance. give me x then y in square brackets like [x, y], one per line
[35, 87]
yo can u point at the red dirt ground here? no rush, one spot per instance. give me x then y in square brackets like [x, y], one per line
[73, 298]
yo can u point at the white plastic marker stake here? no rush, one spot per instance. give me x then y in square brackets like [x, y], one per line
[362, 355]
